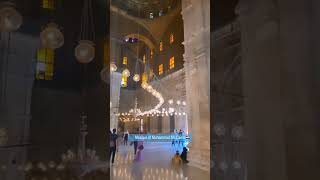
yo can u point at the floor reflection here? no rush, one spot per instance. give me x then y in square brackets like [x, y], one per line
[154, 166]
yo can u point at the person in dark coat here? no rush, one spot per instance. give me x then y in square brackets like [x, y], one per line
[184, 155]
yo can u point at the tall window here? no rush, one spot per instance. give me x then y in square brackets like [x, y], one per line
[171, 38]
[144, 77]
[124, 81]
[161, 46]
[151, 74]
[45, 64]
[151, 53]
[171, 63]
[144, 59]
[48, 4]
[160, 69]
[125, 60]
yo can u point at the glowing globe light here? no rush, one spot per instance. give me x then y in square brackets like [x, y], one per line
[10, 18]
[85, 51]
[178, 102]
[144, 85]
[170, 101]
[184, 103]
[126, 72]
[136, 77]
[51, 37]
[113, 67]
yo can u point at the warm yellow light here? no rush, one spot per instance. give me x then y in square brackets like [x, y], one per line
[160, 69]
[113, 67]
[125, 60]
[136, 77]
[124, 82]
[161, 46]
[171, 38]
[126, 72]
[171, 63]
[144, 77]
[48, 4]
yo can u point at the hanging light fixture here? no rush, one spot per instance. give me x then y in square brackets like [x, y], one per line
[136, 77]
[10, 18]
[51, 37]
[126, 72]
[113, 67]
[85, 50]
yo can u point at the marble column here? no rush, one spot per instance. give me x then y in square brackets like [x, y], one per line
[115, 86]
[265, 146]
[196, 17]
[17, 76]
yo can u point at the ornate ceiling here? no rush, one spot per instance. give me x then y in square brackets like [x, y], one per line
[146, 7]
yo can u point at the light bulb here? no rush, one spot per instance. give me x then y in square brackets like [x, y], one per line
[136, 77]
[113, 67]
[126, 72]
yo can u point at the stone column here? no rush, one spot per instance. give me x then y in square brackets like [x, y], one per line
[300, 55]
[165, 124]
[196, 16]
[265, 145]
[17, 76]
[115, 86]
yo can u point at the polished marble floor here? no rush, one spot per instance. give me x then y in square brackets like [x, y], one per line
[154, 166]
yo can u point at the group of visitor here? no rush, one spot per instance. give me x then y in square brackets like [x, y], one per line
[137, 145]
[178, 141]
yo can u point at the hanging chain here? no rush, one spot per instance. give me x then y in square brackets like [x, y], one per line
[87, 29]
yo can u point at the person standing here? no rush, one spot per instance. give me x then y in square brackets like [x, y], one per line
[113, 145]
[140, 146]
[135, 144]
[125, 138]
[180, 137]
[184, 155]
[176, 162]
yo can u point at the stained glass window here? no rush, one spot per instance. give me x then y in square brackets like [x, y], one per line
[45, 64]
[48, 4]
[125, 60]
[124, 81]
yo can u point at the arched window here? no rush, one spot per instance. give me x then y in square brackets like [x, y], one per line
[48, 4]
[45, 64]
[144, 77]
[144, 59]
[171, 38]
[171, 63]
[161, 46]
[125, 60]
[160, 69]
